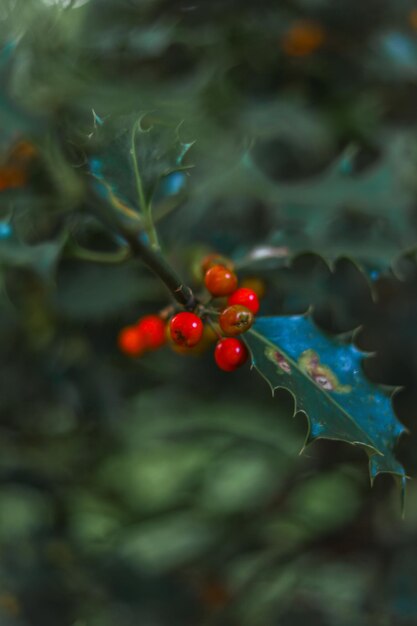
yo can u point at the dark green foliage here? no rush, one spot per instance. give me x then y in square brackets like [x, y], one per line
[161, 491]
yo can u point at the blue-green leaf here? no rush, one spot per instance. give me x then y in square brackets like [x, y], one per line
[325, 376]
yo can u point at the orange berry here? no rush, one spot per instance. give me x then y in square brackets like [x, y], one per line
[303, 38]
[131, 341]
[236, 319]
[12, 177]
[220, 281]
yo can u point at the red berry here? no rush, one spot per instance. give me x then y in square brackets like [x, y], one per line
[220, 280]
[186, 329]
[131, 341]
[152, 328]
[230, 353]
[235, 319]
[246, 297]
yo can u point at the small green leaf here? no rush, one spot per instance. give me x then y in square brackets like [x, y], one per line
[326, 379]
[135, 156]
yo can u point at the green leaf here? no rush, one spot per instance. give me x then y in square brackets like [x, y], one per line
[325, 501]
[378, 191]
[23, 511]
[238, 481]
[325, 377]
[135, 155]
[168, 542]
[338, 212]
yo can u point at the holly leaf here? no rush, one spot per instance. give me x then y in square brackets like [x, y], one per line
[339, 210]
[324, 374]
[137, 160]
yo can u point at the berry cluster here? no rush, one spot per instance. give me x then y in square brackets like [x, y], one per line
[186, 331]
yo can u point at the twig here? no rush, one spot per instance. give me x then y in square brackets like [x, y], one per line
[130, 232]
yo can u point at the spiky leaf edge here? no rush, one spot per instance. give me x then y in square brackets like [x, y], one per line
[400, 479]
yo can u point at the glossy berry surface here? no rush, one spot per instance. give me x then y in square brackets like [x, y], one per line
[186, 329]
[220, 281]
[152, 329]
[246, 297]
[130, 341]
[235, 319]
[230, 353]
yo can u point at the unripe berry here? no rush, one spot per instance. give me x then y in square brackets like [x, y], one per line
[255, 284]
[214, 258]
[235, 319]
[152, 328]
[130, 341]
[246, 297]
[186, 329]
[220, 281]
[192, 258]
[230, 353]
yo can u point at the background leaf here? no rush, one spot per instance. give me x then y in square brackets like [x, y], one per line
[161, 491]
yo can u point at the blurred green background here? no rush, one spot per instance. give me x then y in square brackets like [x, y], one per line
[161, 491]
